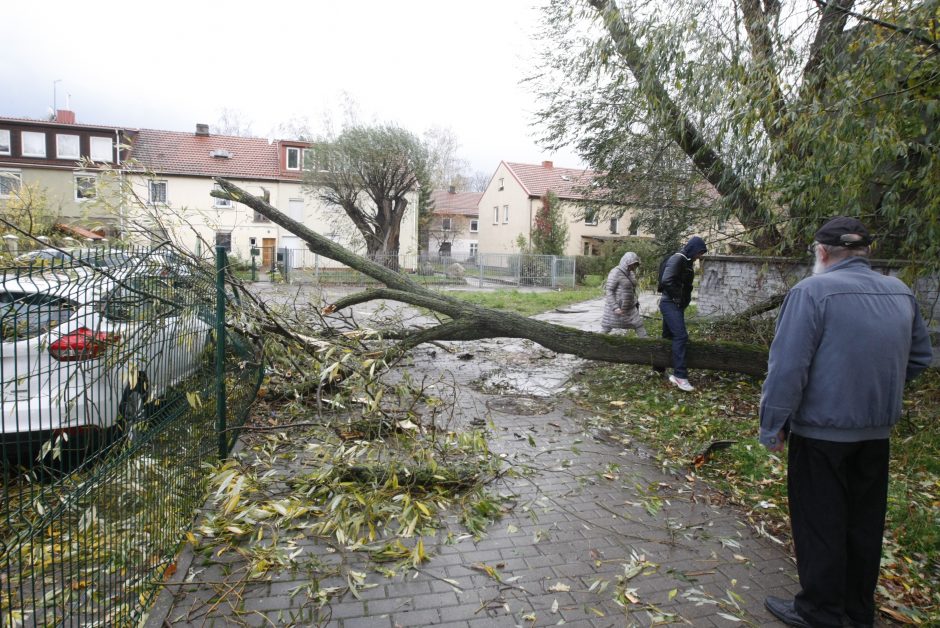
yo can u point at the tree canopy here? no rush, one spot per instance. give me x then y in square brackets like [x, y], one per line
[792, 111]
[369, 172]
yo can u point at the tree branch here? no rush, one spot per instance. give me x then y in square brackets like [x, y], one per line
[473, 322]
[683, 131]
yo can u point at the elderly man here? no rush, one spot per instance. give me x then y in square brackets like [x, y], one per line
[847, 340]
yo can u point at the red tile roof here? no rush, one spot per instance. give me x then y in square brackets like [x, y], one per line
[459, 203]
[173, 152]
[537, 179]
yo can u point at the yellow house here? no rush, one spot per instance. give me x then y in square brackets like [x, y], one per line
[514, 195]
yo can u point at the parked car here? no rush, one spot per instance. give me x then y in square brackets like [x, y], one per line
[86, 257]
[82, 358]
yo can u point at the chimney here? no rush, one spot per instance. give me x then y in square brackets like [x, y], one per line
[202, 129]
[547, 164]
[65, 116]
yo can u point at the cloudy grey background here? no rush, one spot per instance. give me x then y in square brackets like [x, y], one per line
[169, 65]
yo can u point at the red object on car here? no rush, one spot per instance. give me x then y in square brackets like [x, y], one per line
[81, 344]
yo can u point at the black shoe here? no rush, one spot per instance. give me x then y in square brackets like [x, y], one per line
[784, 611]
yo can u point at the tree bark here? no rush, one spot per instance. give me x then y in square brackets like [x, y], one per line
[473, 322]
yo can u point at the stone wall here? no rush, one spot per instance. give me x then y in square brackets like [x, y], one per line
[730, 284]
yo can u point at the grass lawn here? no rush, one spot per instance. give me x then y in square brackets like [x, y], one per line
[680, 428]
[528, 303]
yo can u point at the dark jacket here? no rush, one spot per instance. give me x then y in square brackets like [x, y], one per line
[846, 342]
[676, 273]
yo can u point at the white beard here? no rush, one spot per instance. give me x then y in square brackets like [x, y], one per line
[819, 266]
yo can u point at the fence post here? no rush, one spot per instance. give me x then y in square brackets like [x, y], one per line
[554, 283]
[220, 263]
[254, 269]
[480, 257]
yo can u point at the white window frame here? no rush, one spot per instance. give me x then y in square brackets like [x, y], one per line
[474, 225]
[505, 214]
[221, 203]
[96, 149]
[25, 136]
[9, 176]
[5, 146]
[496, 215]
[591, 219]
[501, 186]
[300, 159]
[474, 249]
[447, 224]
[94, 179]
[60, 149]
[151, 195]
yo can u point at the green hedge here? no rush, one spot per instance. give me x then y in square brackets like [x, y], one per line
[610, 255]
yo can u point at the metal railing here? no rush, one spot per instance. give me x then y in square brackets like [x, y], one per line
[484, 270]
[112, 395]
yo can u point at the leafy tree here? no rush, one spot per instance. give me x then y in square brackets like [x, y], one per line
[550, 231]
[369, 172]
[792, 111]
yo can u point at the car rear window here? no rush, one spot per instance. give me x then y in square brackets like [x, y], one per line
[24, 315]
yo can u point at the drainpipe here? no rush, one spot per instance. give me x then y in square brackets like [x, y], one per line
[121, 222]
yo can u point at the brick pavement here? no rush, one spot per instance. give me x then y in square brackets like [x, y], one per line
[594, 520]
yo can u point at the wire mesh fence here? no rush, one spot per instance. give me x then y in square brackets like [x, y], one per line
[483, 270]
[110, 369]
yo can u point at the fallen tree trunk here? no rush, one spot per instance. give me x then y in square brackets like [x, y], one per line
[472, 322]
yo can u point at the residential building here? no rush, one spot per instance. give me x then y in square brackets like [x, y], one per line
[511, 201]
[455, 223]
[63, 171]
[159, 186]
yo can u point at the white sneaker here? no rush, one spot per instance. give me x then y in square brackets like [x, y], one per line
[682, 384]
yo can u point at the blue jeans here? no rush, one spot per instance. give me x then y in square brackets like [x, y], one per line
[674, 328]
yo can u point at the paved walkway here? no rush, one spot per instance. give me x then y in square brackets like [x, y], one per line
[600, 535]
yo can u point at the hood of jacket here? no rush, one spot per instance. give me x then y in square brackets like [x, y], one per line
[693, 247]
[627, 260]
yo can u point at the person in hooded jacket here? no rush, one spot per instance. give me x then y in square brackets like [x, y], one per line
[621, 305]
[675, 283]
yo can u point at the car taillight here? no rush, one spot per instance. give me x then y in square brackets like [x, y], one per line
[81, 344]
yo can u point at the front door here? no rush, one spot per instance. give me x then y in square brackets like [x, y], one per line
[267, 252]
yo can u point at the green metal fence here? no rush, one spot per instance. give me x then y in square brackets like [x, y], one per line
[118, 385]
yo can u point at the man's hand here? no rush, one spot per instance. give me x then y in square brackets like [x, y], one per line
[618, 311]
[780, 444]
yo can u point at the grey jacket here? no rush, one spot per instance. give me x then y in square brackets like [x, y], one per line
[846, 342]
[620, 293]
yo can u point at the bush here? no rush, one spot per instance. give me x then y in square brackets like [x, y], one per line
[610, 254]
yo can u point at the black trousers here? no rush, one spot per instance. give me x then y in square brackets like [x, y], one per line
[838, 498]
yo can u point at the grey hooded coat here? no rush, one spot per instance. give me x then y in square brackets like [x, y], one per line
[620, 293]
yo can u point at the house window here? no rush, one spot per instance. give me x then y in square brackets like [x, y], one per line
[224, 239]
[496, 215]
[446, 224]
[587, 248]
[501, 186]
[259, 217]
[4, 142]
[293, 158]
[505, 214]
[34, 144]
[66, 146]
[220, 202]
[590, 217]
[474, 225]
[158, 192]
[474, 249]
[10, 181]
[85, 187]
[613, 225]
[101, 149]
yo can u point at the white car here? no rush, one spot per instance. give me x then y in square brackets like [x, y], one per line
[83, 356]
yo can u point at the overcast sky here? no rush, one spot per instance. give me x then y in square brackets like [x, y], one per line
[169, 65]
